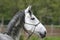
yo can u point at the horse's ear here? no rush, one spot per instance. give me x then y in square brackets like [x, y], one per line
[28, 8]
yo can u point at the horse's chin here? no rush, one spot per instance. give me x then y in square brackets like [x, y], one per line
[42, 36]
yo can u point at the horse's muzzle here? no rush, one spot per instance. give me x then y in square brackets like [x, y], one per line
[43, 35]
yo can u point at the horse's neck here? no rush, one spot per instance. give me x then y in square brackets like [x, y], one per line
[19, 35]
[12, 29]
[15, 33]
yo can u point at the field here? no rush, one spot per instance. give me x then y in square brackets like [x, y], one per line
[46, 38]
[52, 38]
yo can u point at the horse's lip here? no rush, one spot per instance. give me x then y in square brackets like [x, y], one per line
[42, 35]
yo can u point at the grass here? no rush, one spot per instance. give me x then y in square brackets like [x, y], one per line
[34, 37]
[52, 38]
[47, 38]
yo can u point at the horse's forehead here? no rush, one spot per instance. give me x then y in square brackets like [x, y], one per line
[29, 12]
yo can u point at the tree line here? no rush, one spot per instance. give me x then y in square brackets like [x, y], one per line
[47, 11]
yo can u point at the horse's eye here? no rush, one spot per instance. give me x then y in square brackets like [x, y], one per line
[32, 18]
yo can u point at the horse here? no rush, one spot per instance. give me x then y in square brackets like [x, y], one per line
[23, 19]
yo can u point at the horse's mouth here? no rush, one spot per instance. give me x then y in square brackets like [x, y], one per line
[43, 35]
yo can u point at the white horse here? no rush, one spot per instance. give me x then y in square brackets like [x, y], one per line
[23, 19]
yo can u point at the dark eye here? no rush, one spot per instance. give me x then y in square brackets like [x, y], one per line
[32, 18]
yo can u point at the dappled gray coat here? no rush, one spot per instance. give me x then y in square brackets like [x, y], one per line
[12, 34]
[5, 37]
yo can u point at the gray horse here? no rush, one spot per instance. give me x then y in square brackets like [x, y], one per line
[23, 19]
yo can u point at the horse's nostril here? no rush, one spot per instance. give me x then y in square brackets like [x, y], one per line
[32, 18]
[45, 32]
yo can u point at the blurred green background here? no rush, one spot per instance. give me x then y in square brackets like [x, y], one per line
[47, 11]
